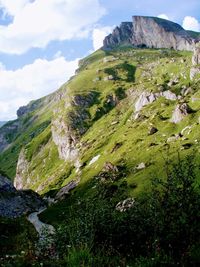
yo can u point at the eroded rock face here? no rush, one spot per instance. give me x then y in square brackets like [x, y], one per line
[195, 62]
[150, 32]
[65, 139]
[144, 99]
[21, 180]
[120, 35]
[196, 55]
[147, 98]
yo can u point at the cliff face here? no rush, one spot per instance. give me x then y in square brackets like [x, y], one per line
[150, 32]
[122, 34]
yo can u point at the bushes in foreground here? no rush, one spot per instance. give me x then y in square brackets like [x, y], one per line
[162, 227]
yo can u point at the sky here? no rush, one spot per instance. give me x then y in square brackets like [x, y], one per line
[41, 41]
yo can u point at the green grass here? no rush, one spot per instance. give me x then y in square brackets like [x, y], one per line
[107, 124]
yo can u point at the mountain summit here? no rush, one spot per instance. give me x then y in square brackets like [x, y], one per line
[151, 32]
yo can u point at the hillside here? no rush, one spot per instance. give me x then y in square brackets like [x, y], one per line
[128, 116]
[96, 114]
[2, 123]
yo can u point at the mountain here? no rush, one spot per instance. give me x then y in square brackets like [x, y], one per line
[151, 32]
[2, 123]
[115, 152]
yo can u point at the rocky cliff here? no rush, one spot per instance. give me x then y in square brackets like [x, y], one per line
[150, 32]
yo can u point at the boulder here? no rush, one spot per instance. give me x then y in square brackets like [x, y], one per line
[194, 71]
[144, 99]
[180, 112]
[141, 166]
[153, 130]
[169, 95]
[125, 204]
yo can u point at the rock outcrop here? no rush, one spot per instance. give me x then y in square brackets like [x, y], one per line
[15, 203]
[65, 140]
[151, 32]
[147, 98]
[21, 180]
[196, 55]
[195, 70]
[180, 112]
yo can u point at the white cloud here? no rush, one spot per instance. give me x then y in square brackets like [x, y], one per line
[163, 16]
[98, 36]
[37, 23]
[12, 7]
[32, 81]
[191, 23]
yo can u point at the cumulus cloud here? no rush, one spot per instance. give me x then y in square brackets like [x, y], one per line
[99, 34]
[32, 81]
[36, 23]
[191, 23]
[163, 16]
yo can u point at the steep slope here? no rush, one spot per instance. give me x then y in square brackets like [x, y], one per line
[151, 32]
[102, 150]
[127, 106]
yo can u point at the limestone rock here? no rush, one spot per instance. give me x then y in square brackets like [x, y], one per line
[195, 62]
[141, 166]
[65, 139]
[150, 32]
[196, 55]
[194, 71]
[125, 204]
[21, 180]
[145, 98]
[180, 112]
[120, 35]
[168, 95]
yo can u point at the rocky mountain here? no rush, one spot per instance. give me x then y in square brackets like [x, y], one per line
[151, 32]
[114, 152]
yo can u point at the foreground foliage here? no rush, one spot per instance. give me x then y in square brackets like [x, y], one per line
[162, 227]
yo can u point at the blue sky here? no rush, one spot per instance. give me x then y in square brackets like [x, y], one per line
[41, 41]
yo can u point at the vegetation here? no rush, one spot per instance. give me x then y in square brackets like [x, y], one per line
[162, 226]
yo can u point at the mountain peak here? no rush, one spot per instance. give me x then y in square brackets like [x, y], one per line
[151, 32]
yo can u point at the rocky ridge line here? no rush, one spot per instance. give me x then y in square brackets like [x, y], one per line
[151, 32]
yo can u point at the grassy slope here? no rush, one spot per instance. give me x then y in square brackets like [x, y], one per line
[135, 70]
[138, 70]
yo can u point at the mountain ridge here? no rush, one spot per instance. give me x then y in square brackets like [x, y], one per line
[151, 32]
